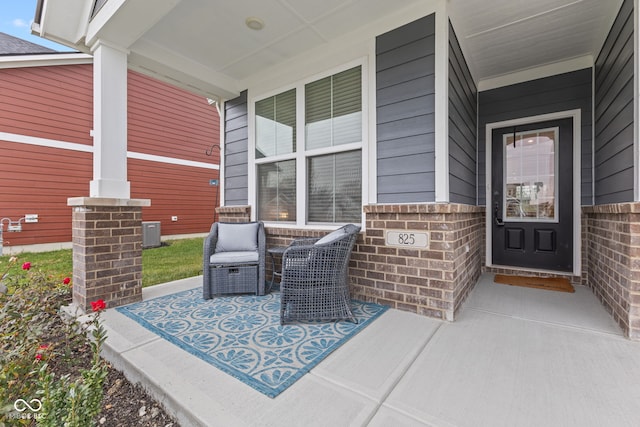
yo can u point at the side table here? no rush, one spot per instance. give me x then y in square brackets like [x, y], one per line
[273, 252]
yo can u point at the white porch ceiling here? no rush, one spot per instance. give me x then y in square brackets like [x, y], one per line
[506, 36]
[204, 45]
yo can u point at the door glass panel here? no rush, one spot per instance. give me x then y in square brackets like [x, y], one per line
[530, 179]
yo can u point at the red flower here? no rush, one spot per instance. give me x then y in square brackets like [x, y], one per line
[38, 356]
[66, 280]
[98, 305]
[26, 266]
[43, 346]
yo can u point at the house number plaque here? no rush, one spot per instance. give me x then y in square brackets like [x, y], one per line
[407, 238]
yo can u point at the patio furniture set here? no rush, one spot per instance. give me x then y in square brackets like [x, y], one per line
[314, 282]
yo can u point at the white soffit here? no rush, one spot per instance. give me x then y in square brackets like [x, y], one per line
[216, 34]
[206, 46]
[510, 36]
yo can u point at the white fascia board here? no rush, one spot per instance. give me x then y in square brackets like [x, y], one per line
[64, 21]
[160, 63]
[44, 60]
[548, 70]
[98, 22]
[123, 22]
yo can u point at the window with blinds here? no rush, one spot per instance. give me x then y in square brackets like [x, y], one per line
[333, 110]
[276, 125]
[277, 191]
[330, 157]
[334, 187]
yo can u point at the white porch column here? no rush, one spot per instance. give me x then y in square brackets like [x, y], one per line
[442, 104]
[636, 101]
[109, 122]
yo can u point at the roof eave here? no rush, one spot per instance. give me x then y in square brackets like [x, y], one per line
[63, 21]
[44, 59]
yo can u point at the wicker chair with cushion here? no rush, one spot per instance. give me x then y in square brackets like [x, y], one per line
[234, 259]
[315, 278]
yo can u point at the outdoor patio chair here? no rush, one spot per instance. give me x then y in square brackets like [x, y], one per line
[234, 259]
[315, 278]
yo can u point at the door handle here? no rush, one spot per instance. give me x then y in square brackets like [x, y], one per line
[496, 217]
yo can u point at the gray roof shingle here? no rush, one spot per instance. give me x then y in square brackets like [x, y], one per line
[10, 45]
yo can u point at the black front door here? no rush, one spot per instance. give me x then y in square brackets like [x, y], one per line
[532, 196]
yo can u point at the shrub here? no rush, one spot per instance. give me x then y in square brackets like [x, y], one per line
[75, 404]
[35, 342]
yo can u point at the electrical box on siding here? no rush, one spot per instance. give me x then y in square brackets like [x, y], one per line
[150, 234]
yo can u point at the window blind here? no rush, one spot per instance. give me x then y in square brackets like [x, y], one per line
[334, 187]
[277, 191]
[333, 110]
[276, 125]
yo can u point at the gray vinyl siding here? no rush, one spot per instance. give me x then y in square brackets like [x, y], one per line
[405, 113]
[463, 117]
[613, 154]
[235, 152]
[567, 91]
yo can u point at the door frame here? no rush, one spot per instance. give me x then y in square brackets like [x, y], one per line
[576, 116]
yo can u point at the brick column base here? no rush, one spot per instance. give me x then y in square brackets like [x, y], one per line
[432, 281]
[107, 250]
[234, 213]
[613, 261]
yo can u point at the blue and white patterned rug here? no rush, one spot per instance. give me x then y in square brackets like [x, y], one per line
[242, 335]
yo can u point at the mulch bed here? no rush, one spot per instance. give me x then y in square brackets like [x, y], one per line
[124, 403]
[129, 404]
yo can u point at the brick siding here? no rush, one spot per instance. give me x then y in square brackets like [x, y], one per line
[612, 239]
[107, 251]
[433, 281]
[234, 213]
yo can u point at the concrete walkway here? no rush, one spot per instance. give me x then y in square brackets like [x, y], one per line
[516, 357]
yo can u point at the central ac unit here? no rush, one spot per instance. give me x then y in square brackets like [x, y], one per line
[150, 234]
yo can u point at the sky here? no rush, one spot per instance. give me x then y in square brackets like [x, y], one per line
[16, 17]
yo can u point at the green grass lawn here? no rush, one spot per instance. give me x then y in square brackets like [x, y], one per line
[179, 259]
[175, 259]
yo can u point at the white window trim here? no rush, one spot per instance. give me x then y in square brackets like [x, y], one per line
[636, 103]
[301, 155]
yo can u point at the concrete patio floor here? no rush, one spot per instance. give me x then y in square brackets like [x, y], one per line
[515, 357]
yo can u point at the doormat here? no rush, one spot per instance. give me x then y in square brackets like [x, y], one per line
[242, 335]
[560, 284]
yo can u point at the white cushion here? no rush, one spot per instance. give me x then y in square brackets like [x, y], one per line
[234, 257]
[237, 237]
[331, 237]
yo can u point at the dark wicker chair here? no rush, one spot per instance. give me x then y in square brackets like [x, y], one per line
[234, 259]
[315, 278]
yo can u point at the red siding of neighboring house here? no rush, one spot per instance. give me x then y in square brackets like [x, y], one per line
[38, 180]
[175, 190]
[167, 121]
[56, 103]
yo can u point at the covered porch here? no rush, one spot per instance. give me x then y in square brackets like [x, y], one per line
[395, 115]
[515, 357]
